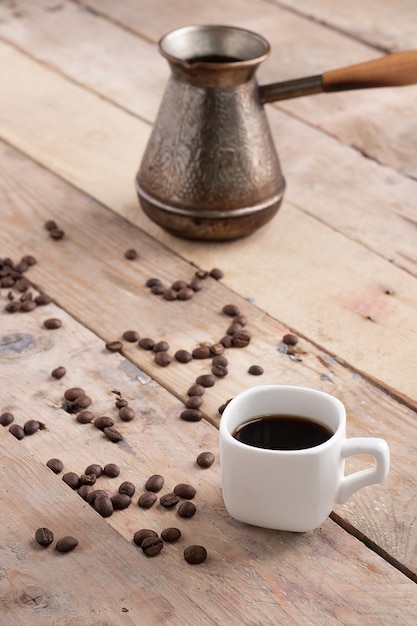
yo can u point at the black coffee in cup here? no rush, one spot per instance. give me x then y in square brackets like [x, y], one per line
[282, 432]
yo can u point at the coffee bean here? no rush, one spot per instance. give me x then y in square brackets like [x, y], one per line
[194, 402]
[170, 295]
[56, 233]
[52, 323]
[22, 284]
[241, 339]
[85, 490]
[234, 328]
[111, 470]
[42, 299]
[103, 422]
[216, 273]
[56, 465]
[223, 406]
[147, 499]
[73, 393]
[121, 501]
[205, 460]
[195, 554]
[128, 488]
[206, 380]
[81, 403]
[185, 294]
[131, 254]
[184, 490]
[158, 289]
[131, 335]
[31, 426]
[71, 479]
[217, 349]
[201, 352]
[183, 356]
[152, 546]
[50, 225]
[6, 418]
[25, 297]
[121, 403]
[219, 370]
[170, 534]
[13, 307]
[153, 281]
[17, 431]
[103, 505]
[88, 479]
[196, 390]
[226, 341]
[29, 259]
[163, 359]
[220, 360]
[154, 483]
[178, 285]
[146, 343]
[256, 370]
[290, 339]
[196, 284]
[142, 534]
[112, 434]
[44, 536]
[191, 415]
[169, 500]
[126, 414]
[231, 310]
[114, 346]
[161, 346]
[85, 417]
[66, 544]
[28, 305]
[92, 495]
[187, 509]
[58, 372]
[94, 468]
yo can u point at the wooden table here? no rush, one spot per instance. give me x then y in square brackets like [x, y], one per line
[80, 85]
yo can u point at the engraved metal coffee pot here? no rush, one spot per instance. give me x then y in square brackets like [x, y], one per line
[210, 170]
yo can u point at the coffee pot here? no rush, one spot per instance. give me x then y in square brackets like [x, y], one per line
[210, 170]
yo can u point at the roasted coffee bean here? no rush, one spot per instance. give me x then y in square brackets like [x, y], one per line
[94, 468]
[131, 335]
[52, 323]
[196, 390]
[226, 341]
[183, 356]
[131, 254]
[121, 402]
[158, 289]
[201, 274]
[6, 418]
[231, 310]
[128, 488]
[56, 233]
[103, 422]
[187, 509]
[217, 349]
[66, 544]
[196, 284]
[56, 465]
[153, 281]
[13, 307]
[17, 431]
[112, 434]
[170, 534]
[206, 380]
[142, 534]
[81, 403]
[185, 294]
[184, 490]
[50, 225]
[147, 499]
[202, 352]
[290, 339]
[42, 299]
[44, 536]
[28, 305]
[205, 460]
[154, 483]
[241, 339]
[71, 479]
[152, 546]
[22, 284]
[220, 360]
[88, 479]
[121, 501]
[28, 259]
[216, 273]
[169, 500]
[126, 414]
[111, 470]
[28, 295]
[103, 505]
[92, 495]
[195, 554]
[84, 491]
[219, 371]
[114, 346]
[256, 370]
[163, 359]
[85, 417]
[223, 406]
[194, 402]
[73, 393]
[31, 426]
[161, 346]
[10, 295]
[170, 295]
[234, 328]
[191, 415]
[178, 285]
[58, 372]
[146, 343]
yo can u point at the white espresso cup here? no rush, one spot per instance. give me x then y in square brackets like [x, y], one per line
[291, 489]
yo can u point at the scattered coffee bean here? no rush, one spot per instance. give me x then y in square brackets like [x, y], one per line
[146, 343]
[231, 310]
[223, 406]
[220, 360]
[92, 495]
[202, 352]
[71, 479]
[112, 434]
[31, 426]
[128, 488]
[183, 356]
[73, 393]
[94, 468]
[191, 415]
[161, 346]
[28, 305]
[66, 544]
[88, 479]
[126, 414]
[158, 289]
[170, 295]
[120, 403]
[163, 359]
[42, 299]
[82, 402]
[103, 422]
[13, 307]
[195, 554]
[44, 536]
[205, 460]
[131, 254]
[241, 339]
[196, 284]
[103, 505]
[217, 349]
[142, 534]
[52, 323]
[56, 465]
[226, 341]
[185, 491]
[58, 372]
[120, 501]
[111, 470]
[187, 509]
[206, 380]
[29, 259]
[153, 281]
[219, 371]
[194, 402]
[22, 284]
[17, 431]
[131, 335]
[85, 490]
[185, 294]
[152, 546]
[170, 534]
[114, 346]
[147, 499]
[290, 339]
[201, 274]
[85, 417]
[256, 370]
[216, 273]
[6, 418]
[196, 390]
[50, 225]
[169, 500]
[234, 328]
[178, 285]
[56, 233]
[154, 483]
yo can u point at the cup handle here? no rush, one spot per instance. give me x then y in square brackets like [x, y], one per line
[378, 448]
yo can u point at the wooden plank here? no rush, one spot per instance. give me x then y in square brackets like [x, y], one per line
[251, 576]
[88, 276]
